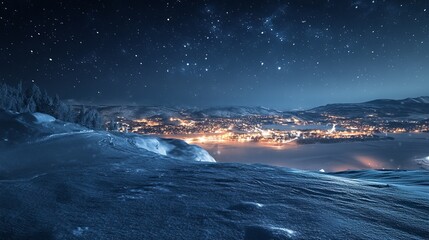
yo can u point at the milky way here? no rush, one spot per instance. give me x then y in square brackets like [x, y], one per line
[282, 54]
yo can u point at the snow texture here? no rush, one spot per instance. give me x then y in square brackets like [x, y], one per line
[62, 181]
[43, 118]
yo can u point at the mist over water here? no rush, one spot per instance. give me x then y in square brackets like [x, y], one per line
[401, 153]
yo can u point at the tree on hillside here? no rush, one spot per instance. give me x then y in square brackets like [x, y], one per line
[90, 118]
[112, 125]
[30, 105]
[34, 99]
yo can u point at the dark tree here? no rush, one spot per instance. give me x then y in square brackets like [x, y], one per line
[30, 105]
[112, 125]
[34, 99]
[90, 118]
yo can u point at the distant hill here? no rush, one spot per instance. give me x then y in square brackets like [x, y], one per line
[138, 112]
[234, 112]
[414, 108]
[409, 107]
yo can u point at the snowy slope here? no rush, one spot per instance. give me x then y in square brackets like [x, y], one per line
[138, 112]
[37, 131]
[410, 107]
[234, 112]
[62, 181]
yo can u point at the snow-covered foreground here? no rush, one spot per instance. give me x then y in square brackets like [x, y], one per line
[61, 181]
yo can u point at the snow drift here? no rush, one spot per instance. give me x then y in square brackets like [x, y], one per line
[41, 129]
[62, 181]
[174, 148]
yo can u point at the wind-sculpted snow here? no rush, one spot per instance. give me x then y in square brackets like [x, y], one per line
[153, 145]
[124, 200]
[98, 185]
[173, 148]
[26, 127]
[424, 162]
[26, 144]
[43, 118]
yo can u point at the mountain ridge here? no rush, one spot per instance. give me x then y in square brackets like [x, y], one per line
[385, 107]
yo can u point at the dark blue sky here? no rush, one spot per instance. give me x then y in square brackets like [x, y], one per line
[282, 54]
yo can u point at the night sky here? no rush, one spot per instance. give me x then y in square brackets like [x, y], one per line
[281, 54]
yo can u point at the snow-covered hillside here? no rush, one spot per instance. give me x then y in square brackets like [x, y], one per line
[234, 112]
[409, 108]
[62, 181]
[138, 112]
[42, 134]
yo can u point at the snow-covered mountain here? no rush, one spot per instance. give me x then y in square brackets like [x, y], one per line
[234, 112]
[63, 181]
[410, 107]
[138, 112]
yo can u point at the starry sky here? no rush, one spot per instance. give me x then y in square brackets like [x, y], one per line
[280, 54]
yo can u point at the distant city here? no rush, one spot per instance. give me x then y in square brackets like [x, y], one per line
[375, 120]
